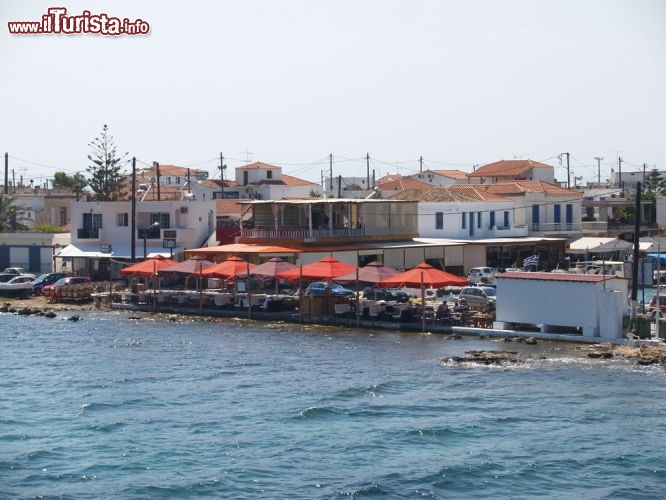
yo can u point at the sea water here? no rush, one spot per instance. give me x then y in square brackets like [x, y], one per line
[118, 407]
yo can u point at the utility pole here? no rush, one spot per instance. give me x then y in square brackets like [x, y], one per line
[367, 169]
[5, 189]
[568, 173]
[133, 226]
[222, 168]
[619, 175]
[644, 167]
[157, 176]
[339, 186]
[14, 180]
[598, 158]
[330, 167]
[421, 164]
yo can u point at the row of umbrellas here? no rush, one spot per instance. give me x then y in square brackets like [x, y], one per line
[327, 268]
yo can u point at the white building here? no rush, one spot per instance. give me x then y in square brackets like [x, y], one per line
[442, 177]
[261, 181]
[585, 304]
[101, 233]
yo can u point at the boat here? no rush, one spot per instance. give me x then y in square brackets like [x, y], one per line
[18, 286]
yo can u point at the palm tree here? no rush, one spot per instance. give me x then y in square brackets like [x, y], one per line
[9, 214]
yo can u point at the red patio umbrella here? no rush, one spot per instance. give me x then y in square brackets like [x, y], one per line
[423, 274]
[228, 269]
[324, 269]
[193, 266]
[372, 274]
[147, 267]
[269, 269]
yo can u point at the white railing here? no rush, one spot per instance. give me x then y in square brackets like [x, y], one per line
[301, 233]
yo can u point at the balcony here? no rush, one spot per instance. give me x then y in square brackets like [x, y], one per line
[87, 234]
[151, 233]
[300, 234]
[515, 231]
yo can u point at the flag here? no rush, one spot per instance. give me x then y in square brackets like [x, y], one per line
[532, 260]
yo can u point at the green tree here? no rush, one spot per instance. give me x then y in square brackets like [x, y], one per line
[76, 182]
[654, 182]
[106, 179]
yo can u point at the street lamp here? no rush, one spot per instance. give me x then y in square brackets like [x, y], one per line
[145, 237]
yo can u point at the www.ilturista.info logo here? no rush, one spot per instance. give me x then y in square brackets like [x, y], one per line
[57, 22]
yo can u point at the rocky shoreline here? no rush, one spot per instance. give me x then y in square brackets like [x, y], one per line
[642, 355]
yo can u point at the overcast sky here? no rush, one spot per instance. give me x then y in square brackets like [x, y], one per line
[289, 82]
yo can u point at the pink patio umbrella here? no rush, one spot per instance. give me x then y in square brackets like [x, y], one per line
[371, 274]
[193, 266]
[269, 269]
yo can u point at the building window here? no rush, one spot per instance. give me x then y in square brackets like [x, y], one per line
[163, 218]
[439, 220]
[492, 220]
[464, 220]
[96, 222]
[122, 220]
[62, 220]
[478, 220]
[269, 174]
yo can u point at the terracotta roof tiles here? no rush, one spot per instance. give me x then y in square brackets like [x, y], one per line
[507, 168]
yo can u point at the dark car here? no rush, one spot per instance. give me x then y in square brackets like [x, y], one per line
[45, 279]
[323, 288]
[387, 294]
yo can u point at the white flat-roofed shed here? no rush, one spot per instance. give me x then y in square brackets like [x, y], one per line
[563, 303]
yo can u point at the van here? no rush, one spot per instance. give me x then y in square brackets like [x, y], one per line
[483, 273]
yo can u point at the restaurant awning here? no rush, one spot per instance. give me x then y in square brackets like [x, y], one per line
[117, 251]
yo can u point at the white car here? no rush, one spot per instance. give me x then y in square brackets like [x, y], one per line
[478, 274]
[478, 297]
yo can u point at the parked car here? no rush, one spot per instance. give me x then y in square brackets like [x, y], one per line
[323, 288]
[45, 279]
[18, 286]
[652, 308]
[52, 289]
[478, 297]
[387, 294]
[18, 270]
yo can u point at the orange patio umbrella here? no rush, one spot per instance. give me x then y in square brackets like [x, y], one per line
[148, 267]
[324, 269]
[228, 269]
[423, 274]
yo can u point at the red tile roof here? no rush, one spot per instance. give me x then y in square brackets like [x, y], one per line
[396, 182]
[525, 186]
[228, 206]
[543, 276]
[451, 174]
[507, 168]
[258, 164]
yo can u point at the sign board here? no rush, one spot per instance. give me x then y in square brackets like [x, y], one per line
[169, 233]
[105, 248]
[169, 243]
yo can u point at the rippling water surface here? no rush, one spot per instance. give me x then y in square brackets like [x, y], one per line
[113, 407]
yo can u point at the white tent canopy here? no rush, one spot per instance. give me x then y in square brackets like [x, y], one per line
[599, 245]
